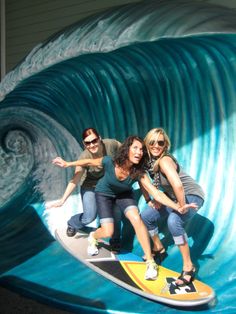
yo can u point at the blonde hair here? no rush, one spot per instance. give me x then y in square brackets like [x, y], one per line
[153, 135]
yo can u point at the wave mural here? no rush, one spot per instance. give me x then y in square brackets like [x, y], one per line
[123, 72]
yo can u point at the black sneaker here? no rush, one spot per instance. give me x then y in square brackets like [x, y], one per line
[70, 231]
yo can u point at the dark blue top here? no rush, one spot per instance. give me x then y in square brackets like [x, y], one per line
[109, 184]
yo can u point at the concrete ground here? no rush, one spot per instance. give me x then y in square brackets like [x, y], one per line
[13, 303]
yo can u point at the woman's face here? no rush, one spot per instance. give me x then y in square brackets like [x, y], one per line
[156, 145]
[92, 143]
[135, 152]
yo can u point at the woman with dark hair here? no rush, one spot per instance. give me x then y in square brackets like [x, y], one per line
[87, 177]
[115, 188]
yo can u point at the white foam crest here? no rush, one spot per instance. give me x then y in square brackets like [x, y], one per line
[57, 217]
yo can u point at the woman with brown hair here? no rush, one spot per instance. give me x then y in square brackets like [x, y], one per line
[87, 177]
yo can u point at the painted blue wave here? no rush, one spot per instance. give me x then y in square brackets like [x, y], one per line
[123, 72]
[115, 28]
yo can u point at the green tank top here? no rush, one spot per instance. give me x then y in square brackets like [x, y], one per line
[109, 184]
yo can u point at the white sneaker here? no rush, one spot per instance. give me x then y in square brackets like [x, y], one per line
[92, 245]
[151, 270]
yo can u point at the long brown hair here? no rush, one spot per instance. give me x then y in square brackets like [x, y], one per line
[123, 155]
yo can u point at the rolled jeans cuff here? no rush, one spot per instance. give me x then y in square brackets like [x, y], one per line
[153, 232]
[179, 240]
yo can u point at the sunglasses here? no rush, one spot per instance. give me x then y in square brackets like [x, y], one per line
[160, 143]
[94, 141]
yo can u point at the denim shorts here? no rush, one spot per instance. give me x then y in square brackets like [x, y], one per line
[105, 205]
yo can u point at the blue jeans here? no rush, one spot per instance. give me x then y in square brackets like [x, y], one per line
[79, 221]
[175, 220]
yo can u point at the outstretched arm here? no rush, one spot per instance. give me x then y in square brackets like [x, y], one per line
[58, 161]
[150, 202]
[161, 197]
[72, 184]
[69, 189]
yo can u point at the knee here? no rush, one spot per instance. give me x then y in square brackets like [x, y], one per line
[150, 216]
[174, 222]
[171, 221]
[135, 219]
[145, 218]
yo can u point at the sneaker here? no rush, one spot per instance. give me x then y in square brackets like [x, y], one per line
[92, 245]
[70, 231]
[151, 270]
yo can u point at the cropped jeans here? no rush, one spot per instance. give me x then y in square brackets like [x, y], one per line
[175, 220]
[80, 220]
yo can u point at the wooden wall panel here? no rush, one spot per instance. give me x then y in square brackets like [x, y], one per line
[30, 22]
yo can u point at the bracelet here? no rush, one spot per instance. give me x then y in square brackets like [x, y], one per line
[148, 200]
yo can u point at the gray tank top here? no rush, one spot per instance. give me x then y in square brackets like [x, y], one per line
[189, 184]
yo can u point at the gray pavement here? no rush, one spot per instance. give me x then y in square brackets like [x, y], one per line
[13, 303]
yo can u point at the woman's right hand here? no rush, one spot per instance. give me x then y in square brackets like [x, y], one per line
[58, 161]
[58, 203]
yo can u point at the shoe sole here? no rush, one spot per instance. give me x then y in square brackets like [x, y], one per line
[92, 253]
[70, 235]
[150, 278]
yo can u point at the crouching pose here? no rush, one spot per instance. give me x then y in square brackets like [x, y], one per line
[115, 188]
[180, 187]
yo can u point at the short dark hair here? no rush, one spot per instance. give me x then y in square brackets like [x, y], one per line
[123, 153]
[88, 132]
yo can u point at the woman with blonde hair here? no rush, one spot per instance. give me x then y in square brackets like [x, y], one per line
[168, 176]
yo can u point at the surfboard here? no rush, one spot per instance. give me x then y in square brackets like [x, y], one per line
[127, 270]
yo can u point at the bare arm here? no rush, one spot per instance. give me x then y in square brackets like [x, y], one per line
[58, 161]
[73, 183]
[161, 197]
[168, 167]
[70, 188]
[144, 192]
[149, 201]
